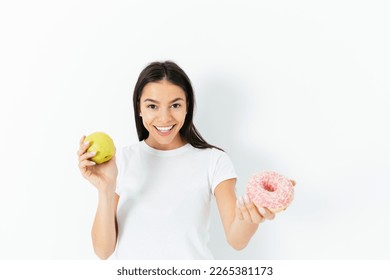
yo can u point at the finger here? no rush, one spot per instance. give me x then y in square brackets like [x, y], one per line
[82, 140]
[86, 163]
[87, 156]
[85, 169]
[293, 182]
[79, 151]
[253, 212]
[83, 147]
[244, 211]
[238, 211]
[266, 213]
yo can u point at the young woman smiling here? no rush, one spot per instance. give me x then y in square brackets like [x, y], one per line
[155, 196]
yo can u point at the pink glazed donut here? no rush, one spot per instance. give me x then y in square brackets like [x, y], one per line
[270, 190]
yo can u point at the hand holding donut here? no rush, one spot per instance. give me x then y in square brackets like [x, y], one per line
[247, 211]
[267, 193]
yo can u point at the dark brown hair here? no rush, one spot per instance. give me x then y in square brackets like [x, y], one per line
[170, 71]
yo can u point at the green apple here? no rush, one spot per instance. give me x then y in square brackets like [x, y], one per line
[103, 145]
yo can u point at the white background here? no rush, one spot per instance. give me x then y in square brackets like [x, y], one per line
[299, 87]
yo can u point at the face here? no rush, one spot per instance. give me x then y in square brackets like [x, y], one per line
[163, 109]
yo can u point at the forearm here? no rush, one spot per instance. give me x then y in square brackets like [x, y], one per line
[240, 233]
[104, 225]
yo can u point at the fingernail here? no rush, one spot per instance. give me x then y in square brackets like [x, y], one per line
[92, 162]
[262, 211]
[242, 204]
[86, 143]
[92, 153]
[247, 200]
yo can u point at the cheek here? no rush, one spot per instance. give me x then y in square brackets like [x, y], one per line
[146, 120]
[180, 114]
[146, 115]
[180, 117]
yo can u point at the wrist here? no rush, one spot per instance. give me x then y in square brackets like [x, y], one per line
[106, 192]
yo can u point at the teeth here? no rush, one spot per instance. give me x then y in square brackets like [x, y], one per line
[164, 128]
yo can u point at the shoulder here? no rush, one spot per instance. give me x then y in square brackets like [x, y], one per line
[210, 153]
[221, 168]
[126, 152]
[218, 155]
[213, 156]
[129, 148]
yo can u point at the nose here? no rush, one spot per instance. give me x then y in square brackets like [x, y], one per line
[164, 116]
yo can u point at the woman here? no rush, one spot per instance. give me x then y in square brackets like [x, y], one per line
[158, 205]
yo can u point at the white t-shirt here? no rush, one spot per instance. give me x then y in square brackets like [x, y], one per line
[165, 197]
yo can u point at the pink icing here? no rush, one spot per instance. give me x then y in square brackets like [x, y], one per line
[270, 190]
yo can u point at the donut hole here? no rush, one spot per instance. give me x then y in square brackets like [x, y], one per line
[268, 187]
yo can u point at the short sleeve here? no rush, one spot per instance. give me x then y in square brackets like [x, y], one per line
[221, 169]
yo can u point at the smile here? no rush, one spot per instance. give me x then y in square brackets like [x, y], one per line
[164, 128]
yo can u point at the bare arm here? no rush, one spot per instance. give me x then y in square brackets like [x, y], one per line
[103, 177]
[240, 218]
[105, 229]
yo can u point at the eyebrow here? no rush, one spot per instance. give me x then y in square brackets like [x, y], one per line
[155, 101]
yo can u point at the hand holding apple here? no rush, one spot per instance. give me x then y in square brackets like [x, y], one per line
[97, 162]
[102, 144]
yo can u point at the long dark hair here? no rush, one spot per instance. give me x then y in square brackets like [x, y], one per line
[170, 71]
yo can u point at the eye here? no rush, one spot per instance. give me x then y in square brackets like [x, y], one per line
[151, 106]
[176, 105]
